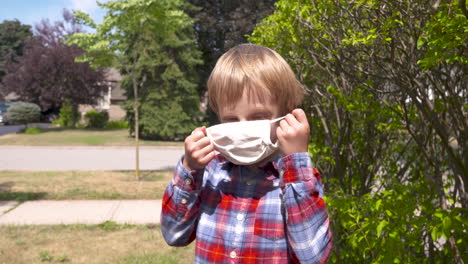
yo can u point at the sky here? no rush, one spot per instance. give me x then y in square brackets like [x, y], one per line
[32, 11]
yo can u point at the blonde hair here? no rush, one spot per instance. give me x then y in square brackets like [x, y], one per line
[260, 70]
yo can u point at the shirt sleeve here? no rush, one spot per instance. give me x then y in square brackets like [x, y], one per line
[307, 223]
[181, 206]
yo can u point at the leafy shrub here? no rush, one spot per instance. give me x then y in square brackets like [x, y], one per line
[23, 113]
[80, 125]
[96, 119]
[57, 122]
[68, 115]
[32, 130]
[117, 124]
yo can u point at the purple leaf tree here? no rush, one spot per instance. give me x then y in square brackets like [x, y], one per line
[47, 73]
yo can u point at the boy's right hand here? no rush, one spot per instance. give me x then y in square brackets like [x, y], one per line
[198, 150]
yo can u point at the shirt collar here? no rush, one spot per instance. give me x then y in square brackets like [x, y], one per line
[222, 161]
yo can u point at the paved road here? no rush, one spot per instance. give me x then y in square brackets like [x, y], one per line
[15, 128]
[87, 158]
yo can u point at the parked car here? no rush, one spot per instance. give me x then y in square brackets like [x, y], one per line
[3, 112]
[49, 115]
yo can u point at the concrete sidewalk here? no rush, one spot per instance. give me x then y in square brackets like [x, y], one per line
[58, 158]
[47, 212]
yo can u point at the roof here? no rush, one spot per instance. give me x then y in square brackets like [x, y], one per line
[113, 75]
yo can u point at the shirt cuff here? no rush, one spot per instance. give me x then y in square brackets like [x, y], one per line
[187, 180]
[297, 167]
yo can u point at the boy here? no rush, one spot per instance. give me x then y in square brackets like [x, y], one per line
[252, 203]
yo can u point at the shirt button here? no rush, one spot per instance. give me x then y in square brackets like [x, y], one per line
[240, 217]
[188, 181]
[183, 201]
[233, 254]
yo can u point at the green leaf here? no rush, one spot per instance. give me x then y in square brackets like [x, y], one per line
[435, 233]
[378, 204]
[447, 223]
[382, 224]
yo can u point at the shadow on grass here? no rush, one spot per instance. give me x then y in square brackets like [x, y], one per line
[60, 129]
[151, 175]
[7, 195]
[87, 194]
[21, 196]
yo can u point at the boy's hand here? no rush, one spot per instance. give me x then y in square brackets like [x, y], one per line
[293, 133]
[198, 150]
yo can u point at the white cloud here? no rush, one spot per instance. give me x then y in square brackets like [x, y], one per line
[87, 6]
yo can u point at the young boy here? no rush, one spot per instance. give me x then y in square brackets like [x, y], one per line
[245, 202]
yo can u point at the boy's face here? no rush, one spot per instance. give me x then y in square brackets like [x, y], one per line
[249, 110]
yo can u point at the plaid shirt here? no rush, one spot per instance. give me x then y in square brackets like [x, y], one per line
[275, 214]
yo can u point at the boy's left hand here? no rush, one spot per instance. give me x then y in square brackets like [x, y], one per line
[293, 133]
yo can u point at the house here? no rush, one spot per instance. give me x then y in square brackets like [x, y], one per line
[110, 101]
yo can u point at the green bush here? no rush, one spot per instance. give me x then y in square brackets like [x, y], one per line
[80, 125]
[57, 122]
[96, 119]
[117, 124]
[68, 115]
[23, 113]
[32, 130]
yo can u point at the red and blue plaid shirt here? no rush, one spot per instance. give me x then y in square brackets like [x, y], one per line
[275, 214]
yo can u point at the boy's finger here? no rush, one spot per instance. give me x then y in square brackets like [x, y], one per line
[198, 129]
[208, 158]
[203, 142]
[300, 115]
[282, 130]
[197, 134]
[206, 150]
[283, 125]
[292, 121]
[279, 132]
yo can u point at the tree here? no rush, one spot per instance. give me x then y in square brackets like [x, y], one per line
[47, 73]
[12, 37]
[23, 113]
[387, 83]
[221, 25]
[151, 43]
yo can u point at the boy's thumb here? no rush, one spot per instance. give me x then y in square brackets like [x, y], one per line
[201, 129]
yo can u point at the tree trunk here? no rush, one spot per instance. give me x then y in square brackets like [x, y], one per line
[137, 132]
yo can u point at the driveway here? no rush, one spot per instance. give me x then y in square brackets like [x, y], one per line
[4, 129]
[87, 158]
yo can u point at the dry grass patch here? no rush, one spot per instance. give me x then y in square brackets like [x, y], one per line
[62, 185]
[80, 137]
[88, 244]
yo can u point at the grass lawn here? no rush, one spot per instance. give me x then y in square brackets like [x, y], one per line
[61, 185]
[79, 137]
[105, 243]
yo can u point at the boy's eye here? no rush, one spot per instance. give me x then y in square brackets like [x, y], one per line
[260, 116]
[230, 119]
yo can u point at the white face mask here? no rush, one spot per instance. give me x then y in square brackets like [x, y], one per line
[245, 142]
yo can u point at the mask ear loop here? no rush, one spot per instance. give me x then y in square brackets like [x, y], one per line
[277, 119]
[271, 130]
